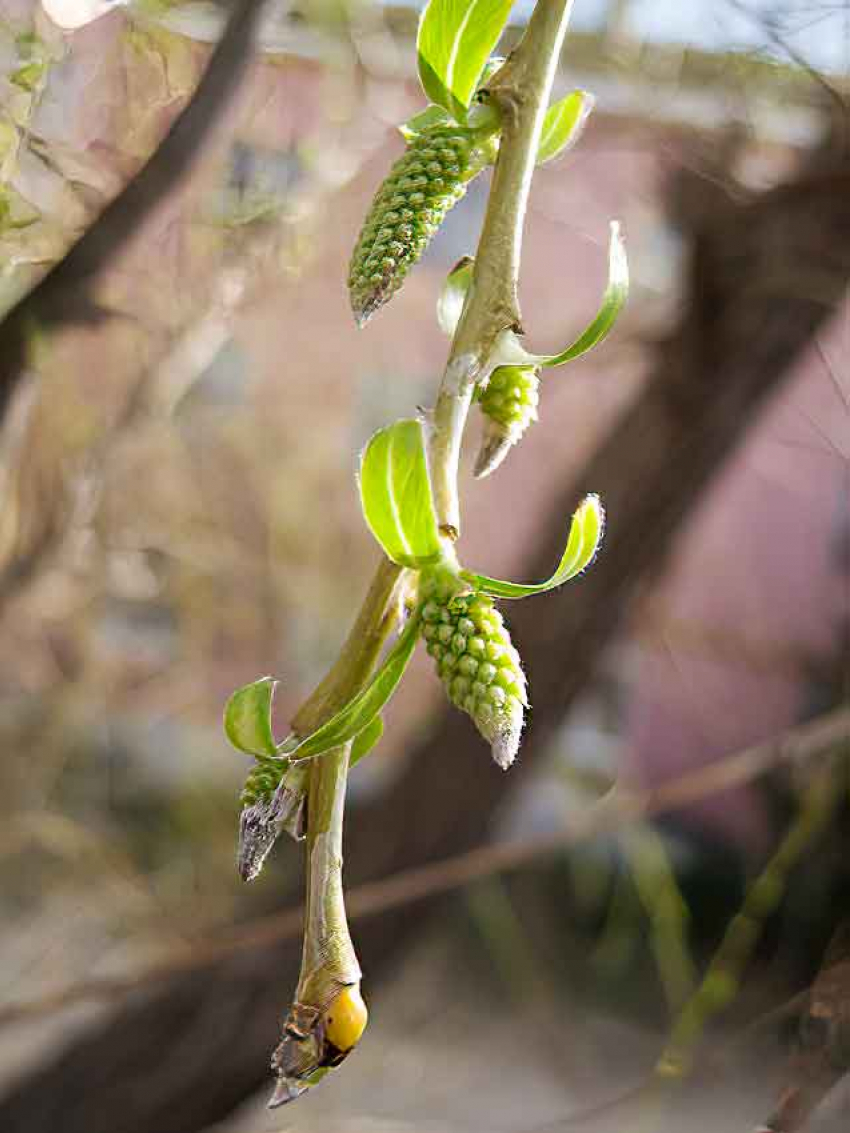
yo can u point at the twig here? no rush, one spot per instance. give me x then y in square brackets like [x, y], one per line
[521, 91]
[616, 811]
[328, 960]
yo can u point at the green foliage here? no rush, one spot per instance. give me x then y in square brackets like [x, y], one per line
[366, 740]
[586, 530]
[613, 301]
[248, 712]
[248, 718]
[454, 43]
[563, 125]
[511, 351]
[453, 295]
[362, 709]
[395, 494]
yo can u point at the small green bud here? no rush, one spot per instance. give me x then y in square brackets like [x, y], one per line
[509, 404]
[427, 180]
[479, 667]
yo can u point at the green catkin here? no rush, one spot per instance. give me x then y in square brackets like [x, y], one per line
[427, 180]
[477, 663]
[509, 404]
[262, 782]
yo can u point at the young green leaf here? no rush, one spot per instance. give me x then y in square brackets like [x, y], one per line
[248, 718]
[360, 712]
[586, 529]
[395, 493]
[563, 125]
[612, 304]
[366, 740]
[424, 120]
[453, 295]
[455, 40]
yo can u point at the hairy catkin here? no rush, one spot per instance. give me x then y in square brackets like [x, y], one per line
[426, 181]
[477, 663]
[509, 404]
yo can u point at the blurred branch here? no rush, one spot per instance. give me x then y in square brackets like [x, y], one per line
[770, 25]
[722, 980]
[820, 1056]
[765, 275]
[620, 809]
[64, 294]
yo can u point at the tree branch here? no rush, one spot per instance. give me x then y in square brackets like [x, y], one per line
[63, 295]
[521, 90]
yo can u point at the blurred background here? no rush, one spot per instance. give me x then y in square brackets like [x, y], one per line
[179, 516]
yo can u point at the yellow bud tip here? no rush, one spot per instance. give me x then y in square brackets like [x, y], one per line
[346, 1018]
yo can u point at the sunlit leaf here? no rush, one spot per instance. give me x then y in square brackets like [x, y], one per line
[366, 740]
[563, 125]
[455, 40]
[586, 529]
[424, 120]
[612, 303]
[248, 718]
[395, 493]
[360, 712]
[453, 295]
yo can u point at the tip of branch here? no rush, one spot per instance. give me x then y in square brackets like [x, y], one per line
[285, 1091]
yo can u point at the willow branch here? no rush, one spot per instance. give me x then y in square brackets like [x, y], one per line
[521, 91]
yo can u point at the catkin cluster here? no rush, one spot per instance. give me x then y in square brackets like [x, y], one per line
[509, 404]
[426, 181]
[477, 664]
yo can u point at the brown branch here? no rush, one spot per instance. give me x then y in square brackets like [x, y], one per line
[64, 294]
[820, 1056]
[765, 276]
[613, 813]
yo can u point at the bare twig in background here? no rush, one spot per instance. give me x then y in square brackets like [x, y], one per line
[64, 294]
[765, 276]
[821, 1054]
[616, 811]
[770, 24]
[721, 982]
